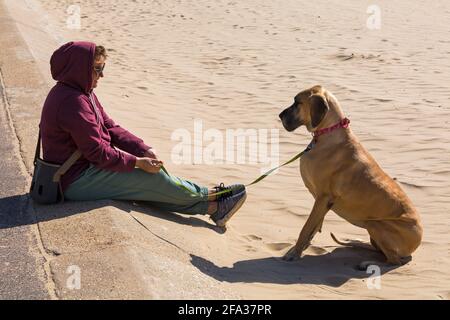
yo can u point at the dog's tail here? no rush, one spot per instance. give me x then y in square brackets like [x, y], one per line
[352, 243]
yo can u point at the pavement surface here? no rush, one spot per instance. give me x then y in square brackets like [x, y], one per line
[84, 250]
[22, 274]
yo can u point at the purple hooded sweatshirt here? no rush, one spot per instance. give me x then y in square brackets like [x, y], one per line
[73, 118]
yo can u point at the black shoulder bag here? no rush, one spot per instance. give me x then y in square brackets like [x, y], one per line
[46, 184]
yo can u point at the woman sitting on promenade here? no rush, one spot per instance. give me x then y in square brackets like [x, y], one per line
[73, 118]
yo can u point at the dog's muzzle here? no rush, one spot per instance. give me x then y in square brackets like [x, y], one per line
[289, 119]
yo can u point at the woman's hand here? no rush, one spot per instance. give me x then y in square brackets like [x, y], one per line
[150, 153]
[149, 165]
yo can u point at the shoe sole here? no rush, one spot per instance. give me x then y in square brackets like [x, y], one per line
[222, 222]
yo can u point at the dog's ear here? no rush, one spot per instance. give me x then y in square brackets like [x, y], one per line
[318, 109]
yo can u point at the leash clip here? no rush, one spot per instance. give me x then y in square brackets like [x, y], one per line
[310, 145]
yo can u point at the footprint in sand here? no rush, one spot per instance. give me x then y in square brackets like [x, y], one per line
[412, 185]
[251, 237]
[344, 57]
[250, 248]
[278, 246]
[383, 100]
[316, 250]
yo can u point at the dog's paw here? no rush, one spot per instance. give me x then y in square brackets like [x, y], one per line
[292, 254]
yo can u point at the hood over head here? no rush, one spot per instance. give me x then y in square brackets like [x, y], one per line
[72, 65]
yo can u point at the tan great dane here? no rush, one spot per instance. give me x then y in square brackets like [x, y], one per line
[342, 176]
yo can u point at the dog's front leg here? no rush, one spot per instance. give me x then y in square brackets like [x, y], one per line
[312, 225]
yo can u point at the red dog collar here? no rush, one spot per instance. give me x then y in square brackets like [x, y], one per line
[344, 123]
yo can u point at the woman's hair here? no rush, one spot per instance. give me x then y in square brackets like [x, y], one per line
[100, 51]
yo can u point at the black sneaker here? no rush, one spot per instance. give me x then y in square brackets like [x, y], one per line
[227, 206]
[228, 190]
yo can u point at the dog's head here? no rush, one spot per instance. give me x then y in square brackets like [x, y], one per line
[309, 108]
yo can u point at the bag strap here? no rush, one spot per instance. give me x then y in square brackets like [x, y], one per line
[37, 154]
[64, 167]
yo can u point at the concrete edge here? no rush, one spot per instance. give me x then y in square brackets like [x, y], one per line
[9, 64]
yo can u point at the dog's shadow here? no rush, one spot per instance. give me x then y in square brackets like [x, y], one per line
[331, 269]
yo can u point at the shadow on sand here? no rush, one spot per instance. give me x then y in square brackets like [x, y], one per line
[331, 269]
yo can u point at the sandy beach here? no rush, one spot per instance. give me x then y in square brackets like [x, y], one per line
[182, 66]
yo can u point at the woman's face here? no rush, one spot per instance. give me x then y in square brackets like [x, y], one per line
[96, 75]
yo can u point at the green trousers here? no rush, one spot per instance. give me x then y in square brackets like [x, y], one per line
[159, 189]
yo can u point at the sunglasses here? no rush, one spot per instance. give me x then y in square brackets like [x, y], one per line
[99, 70]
